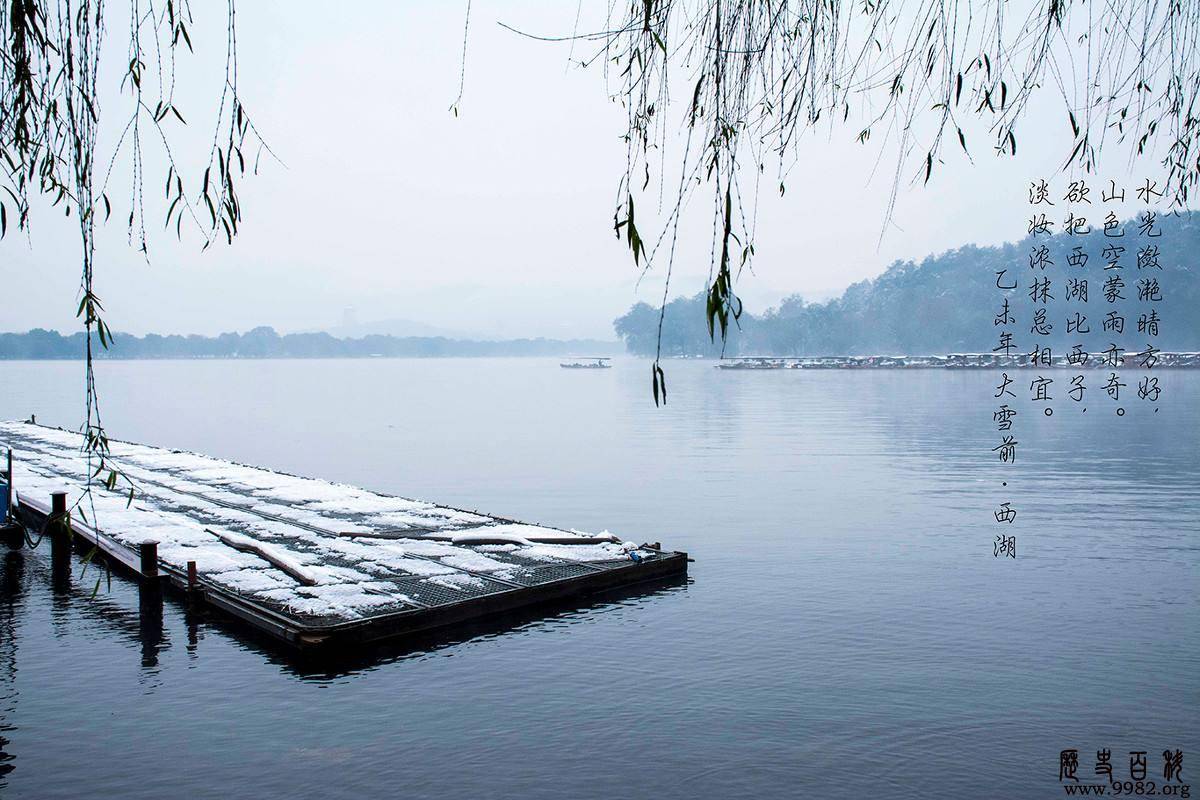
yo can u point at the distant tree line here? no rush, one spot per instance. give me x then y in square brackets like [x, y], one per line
[264, 342]
[947, 303]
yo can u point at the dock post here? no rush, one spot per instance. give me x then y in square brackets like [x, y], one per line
[150, 621]
[192, 583]
[8, 480]
[150, 603]
[14, 533]
[58, 527]
[149, 552]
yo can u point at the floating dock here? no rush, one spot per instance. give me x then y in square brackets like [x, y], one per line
[304, 560]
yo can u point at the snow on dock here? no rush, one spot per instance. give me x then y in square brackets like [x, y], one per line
[308, 560]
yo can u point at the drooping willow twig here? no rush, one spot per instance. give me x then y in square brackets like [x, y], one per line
[50, 117]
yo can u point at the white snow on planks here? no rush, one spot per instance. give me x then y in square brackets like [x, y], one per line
[212, 511]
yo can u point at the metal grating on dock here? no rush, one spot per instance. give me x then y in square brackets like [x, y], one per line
[328, 561]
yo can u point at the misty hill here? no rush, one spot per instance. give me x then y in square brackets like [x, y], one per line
[947, 303]
[266, 343]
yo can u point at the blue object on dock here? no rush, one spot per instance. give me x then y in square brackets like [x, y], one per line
[3, 500]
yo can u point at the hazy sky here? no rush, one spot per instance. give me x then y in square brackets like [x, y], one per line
[497, 222]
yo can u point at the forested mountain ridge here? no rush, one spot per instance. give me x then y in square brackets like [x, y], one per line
[947, 302]
[264, 342]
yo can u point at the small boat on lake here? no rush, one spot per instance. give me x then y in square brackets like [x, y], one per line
[588, 363]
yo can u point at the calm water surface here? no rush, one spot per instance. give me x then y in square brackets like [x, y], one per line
[845, 632]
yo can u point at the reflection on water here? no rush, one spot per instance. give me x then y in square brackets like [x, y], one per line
[11, 573]
[144, 615]
[846, 631]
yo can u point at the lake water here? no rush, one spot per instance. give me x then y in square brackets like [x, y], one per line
[845, 632]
